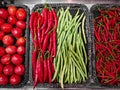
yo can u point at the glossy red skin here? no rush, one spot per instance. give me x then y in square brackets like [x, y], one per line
[21, 50]
[6, 27]
[8, 40]
[17, 32]
[21, 24]
[17, 59]
[2, 51]
[19, 69]
[8, 69]
[21, 41]
[1, 35]
[3, 79]
[12, 10]
[1, 68]
[15, 79]
[3, 13]
[12, 20]
[21, 14]
[11, 49]
[1, 21]
[6, 59]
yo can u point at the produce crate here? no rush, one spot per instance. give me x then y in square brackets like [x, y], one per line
[93, 14]
[73, 9]
[25, 77]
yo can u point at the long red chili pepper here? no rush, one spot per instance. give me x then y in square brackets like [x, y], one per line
[45, 16]
[36, 73]
[49, 70]
[32, 16]
[45, 68]
[39, 30]
[34, 58]
[50, 22]
[41, 69]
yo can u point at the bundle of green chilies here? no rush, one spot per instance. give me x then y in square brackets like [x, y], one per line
[43, 27]
[107, 45]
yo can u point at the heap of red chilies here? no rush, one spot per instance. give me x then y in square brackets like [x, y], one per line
[43, 29]
[107, 45]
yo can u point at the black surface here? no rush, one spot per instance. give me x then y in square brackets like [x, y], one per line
[26, 56]
[73, 9]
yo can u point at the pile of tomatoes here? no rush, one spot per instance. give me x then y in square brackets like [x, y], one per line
[12, 44]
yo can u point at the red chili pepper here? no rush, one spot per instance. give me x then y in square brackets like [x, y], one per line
[55, 18]
[45, 16]
[45, 43]
[32, 16]
[39, 31]
[45, 69]
[54, 43]
[36, 74]
[41, 69]
[49, 70]
[50, 22]
[34, 58]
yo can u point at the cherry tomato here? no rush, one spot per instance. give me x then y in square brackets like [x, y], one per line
[8, 69]
[3, 13]
[15, 79]
[8, 40]
[11, 49]
[12, 20]
[6, 27]
[17, 59]
[21, 14]
[1, 21]
[1, 35]
[21, 41]
[21, 24]
[17, 32]
[21, 50]
[2, 51]
[19, 69]
[6, 59]
[1, 68]
[12, 10]
[3, 79]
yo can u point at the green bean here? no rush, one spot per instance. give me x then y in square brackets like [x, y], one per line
[83, 33]
[71, 59]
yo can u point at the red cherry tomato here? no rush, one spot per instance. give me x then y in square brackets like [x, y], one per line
[15, 79]
[21, 41]
[8, 40]
[17, 59]
[12, 20]
[3, 79]
[21, 50]
[21, 14]
[6, 27]
[3, 13]
[12, 10]
[1, 35]
[11, 49]
[19, 69]
[6, 59]
[1, 68]
[17, 32]
[1, 21]
[21, 24]
[2, 51]
[8, 69]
